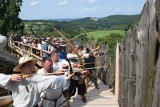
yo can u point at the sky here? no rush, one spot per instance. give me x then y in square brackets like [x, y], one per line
[53, 9]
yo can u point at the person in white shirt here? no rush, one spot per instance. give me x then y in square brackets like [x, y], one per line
[52, 97]
[39, 45]
[27, 87]
[58, 64]
[78, 80]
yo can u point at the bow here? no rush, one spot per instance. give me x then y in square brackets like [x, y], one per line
[79, 56]
[71, 71]
[72, 46]
[93, 44]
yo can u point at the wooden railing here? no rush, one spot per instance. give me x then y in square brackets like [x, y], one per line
[20, 49]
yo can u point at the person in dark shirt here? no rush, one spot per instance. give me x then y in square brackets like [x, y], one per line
[63, 53]
[90, 64]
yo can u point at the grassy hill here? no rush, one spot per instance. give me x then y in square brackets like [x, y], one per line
[109, 30]
[110, 22]
[71, 28]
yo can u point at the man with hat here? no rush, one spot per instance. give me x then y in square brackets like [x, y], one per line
[27, 87]
[52, 97]
[63, 53]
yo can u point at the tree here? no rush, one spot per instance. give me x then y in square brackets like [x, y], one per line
[9, 12]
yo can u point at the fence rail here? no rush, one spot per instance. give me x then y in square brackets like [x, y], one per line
[20, 49]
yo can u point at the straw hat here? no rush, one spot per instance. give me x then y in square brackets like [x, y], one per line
[24, 60]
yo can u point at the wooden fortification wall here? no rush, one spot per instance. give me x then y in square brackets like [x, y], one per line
[136, 67]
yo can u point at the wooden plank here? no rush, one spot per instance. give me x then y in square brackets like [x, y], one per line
[102, 97]
[131, 72]
[117, 70]
[145, 50]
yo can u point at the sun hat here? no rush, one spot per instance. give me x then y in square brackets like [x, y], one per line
[24, 60]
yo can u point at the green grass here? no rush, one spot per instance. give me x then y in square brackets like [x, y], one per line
[103, 34]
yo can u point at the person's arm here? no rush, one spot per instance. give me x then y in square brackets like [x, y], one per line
[41, 72]
[71, 56]
[6, 81]
[44, 82]
[16, 77]
[85, 55]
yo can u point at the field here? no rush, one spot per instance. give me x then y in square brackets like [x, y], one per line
[103, 34]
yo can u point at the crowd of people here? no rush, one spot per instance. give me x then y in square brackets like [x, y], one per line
[44, 89]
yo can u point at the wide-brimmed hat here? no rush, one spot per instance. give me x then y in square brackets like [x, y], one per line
[24, 60]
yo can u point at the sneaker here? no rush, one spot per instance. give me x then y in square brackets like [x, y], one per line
[84, 99]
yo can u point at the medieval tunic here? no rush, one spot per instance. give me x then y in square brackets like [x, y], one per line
[26, 92]
[51, 94]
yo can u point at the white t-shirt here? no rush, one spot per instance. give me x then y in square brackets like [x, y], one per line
[58, 65]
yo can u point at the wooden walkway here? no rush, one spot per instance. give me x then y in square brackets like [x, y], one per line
[96, 98]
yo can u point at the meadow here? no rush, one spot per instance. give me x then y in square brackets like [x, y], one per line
[104, 33]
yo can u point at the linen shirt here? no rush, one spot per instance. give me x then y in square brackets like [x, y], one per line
[51, 93]
[36, 84]
[58, 65]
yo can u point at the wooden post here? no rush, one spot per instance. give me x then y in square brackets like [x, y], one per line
[117, 73]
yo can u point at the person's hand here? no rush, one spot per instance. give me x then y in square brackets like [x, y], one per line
[69, 77]
[64, 66]
[16, 77]
[76, 65]
[83, 72]
[59, 72]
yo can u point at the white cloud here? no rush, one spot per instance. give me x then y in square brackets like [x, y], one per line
[86, 9]
[88, 1]
[92, 1]
[90, 9]
[34, 3]
[62, 3]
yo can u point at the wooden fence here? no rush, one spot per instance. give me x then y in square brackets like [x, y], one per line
[19, 49]
[138, 63]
